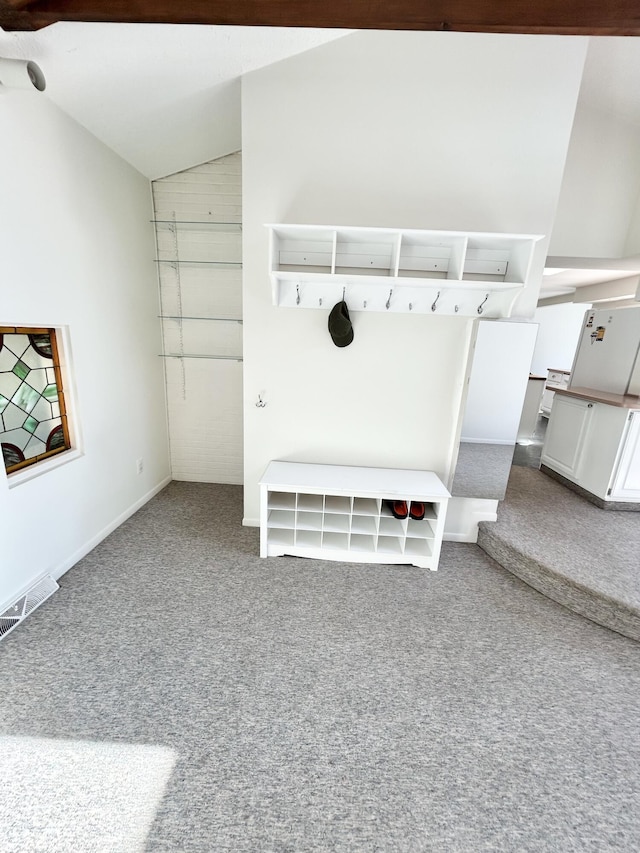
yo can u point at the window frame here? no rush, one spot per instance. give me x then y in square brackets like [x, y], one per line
[53, 332]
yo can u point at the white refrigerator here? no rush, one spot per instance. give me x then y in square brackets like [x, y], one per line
[608, 353]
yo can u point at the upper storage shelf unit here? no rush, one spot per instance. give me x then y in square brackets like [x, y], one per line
[383, 269]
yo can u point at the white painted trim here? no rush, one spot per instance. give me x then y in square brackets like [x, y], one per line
[485, 441]
[58, 571]
[43, 467]
[471, 537]
[251, 522]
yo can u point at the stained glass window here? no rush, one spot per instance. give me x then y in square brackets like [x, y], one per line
[33, 417]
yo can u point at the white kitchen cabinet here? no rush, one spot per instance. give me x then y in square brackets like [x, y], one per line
[400, 270]
[626, 482]
[338, 512]
[556, 379]
[595, 444]
[566, 436]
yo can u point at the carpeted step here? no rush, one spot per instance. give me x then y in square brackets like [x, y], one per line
[568, 549]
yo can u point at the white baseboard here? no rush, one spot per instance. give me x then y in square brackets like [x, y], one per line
[63, 567]
[471, 536]
[464, 515]
[507, 441]
[251, 522]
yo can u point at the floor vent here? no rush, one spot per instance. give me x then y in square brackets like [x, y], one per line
[26, 604]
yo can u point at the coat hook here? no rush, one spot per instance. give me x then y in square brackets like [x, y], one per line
[482, 303]
[343, 292]
[411, 306]
[364, 304]
[320, 302]
[457, 308]
[433, 307]
[389, 299]
[298, 294]
[260, 404]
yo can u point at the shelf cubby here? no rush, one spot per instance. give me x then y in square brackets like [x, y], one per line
[359, 252]
[311, 253]
[420, 529]
[432, 255]
[390, 526]
[282, 518]
[309, 502]
[308, 520]
[362, 543]
[335, 541]
[282, 500]
[389, 545]
[336, 523]
[337, 503]
[366, 506]
[341, 513]
[308, 538]
[281, 538]
[363, 524]
[417, 547]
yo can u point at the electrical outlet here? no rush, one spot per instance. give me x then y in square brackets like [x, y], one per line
[140, 466]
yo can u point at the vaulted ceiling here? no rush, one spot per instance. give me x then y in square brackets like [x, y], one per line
[583, 17]
[157, 87]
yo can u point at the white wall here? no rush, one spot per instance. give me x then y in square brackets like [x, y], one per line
[632, 242]
[600, 189]
[432, 130]
[77, 250]
[197, 129]
[559, 331]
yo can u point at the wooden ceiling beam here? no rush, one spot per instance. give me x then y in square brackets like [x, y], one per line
[557, 17]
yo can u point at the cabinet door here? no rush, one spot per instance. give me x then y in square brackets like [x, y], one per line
[626, 483]
[547, 401]
[567, 434]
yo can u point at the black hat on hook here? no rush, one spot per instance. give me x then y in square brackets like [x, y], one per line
[340, 327]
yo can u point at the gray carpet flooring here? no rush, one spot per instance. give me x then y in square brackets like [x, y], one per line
[180, 694]
[576, 553]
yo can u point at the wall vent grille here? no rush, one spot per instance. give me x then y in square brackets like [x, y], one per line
[26, 604]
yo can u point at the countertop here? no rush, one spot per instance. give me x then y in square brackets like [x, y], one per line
[624, 401]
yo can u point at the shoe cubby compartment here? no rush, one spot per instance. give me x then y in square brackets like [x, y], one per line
[282, 538]
[364, 524]
[335, 523]
[362, 544]
[308, 538]
[468, 274]
[417, 547]
[390, 526]
[342, 513]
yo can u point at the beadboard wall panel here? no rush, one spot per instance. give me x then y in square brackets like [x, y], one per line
[199, 241]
